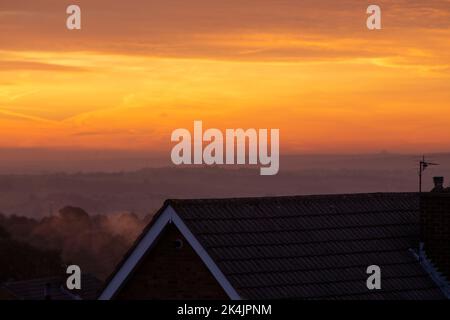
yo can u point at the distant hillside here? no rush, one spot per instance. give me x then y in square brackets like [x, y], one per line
[143, 191]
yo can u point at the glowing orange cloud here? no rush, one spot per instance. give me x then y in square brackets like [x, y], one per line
[317, 74]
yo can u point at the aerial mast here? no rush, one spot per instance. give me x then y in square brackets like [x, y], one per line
[423, 164]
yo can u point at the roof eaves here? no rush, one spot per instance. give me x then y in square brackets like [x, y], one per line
[438, 278]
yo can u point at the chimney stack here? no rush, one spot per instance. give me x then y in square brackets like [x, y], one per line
[435, 226]
[438, 184]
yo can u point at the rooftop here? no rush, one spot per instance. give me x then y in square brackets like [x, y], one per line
[311, 247]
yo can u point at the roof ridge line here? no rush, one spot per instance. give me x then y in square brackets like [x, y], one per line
[293, 197]
[304, 215]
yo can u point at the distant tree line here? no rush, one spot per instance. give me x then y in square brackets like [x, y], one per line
[31, 248]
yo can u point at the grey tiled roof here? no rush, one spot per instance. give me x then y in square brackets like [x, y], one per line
[313, 246]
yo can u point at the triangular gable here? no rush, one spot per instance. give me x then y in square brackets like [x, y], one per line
[147, 240]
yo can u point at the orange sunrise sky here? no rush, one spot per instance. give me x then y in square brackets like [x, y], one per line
[140, 69]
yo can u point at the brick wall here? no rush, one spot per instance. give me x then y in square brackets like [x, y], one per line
[435, 229]
[168, 272]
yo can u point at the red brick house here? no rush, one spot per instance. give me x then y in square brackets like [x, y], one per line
[302, 247]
